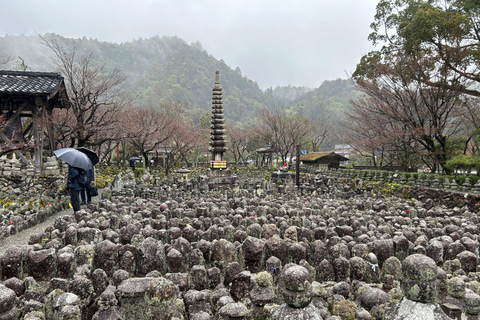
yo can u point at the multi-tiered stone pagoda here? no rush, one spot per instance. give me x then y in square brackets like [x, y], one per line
[217, 137]
[218, 176]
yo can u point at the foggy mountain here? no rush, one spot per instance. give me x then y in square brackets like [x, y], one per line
[164, 68]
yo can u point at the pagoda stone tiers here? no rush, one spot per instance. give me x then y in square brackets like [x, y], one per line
[217, 137]
[218, 176]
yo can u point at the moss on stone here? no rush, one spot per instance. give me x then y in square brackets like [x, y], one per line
[395, 295]
[419, 267]
[450, 266]
[318, 290]
[264, 279]
[84, 255]
[456, 287]
[414, 292]
[474, 286]
[345, 309]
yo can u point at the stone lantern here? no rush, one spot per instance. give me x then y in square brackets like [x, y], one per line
[184, 172]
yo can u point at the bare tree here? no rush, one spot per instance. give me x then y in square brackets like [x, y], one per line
[94, 92]
[146, 129]
[284, 130]
[374, 135]
[401, 108]
[5, 59]
[238, 140]
[63, 123]
[318, 134]
[185, 138]
[471, 126]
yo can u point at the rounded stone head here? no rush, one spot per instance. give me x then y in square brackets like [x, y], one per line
[298, 284]
[419, 281]
[419, 267]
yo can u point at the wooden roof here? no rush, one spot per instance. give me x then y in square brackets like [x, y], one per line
[20, 86]
[267, 149]
[314, 156]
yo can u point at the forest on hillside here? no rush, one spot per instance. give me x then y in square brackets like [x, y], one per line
[413, 103]
[161, 69]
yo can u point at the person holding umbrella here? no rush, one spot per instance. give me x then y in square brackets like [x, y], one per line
[77, 162]
[133, 161]
[86, 180]
[73, 183]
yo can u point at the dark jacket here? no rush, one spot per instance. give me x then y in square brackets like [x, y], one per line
[90, 174]
[86, 177]
[73, 178]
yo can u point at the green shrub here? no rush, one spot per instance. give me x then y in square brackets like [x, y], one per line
[139, 172]
[441, 178]
[463, 162]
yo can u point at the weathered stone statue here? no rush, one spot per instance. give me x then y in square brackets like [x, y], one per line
[297, 293]
[420, 288]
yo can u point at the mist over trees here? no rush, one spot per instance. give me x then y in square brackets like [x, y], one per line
[411, 103]
[112, 84]
[95, 96]
[156, 70]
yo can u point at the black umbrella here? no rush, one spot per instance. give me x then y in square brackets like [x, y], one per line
[90, 154]
[74, 157]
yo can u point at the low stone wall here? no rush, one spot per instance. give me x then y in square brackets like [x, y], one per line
[15, 167]
[395, 185]
[27, 198]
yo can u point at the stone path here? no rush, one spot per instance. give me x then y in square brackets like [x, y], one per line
[21, 238]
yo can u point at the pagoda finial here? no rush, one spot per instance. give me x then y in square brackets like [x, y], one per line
[217, 81]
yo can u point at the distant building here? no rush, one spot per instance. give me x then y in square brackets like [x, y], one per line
[326, 160]
[343, 149]
[159, 155]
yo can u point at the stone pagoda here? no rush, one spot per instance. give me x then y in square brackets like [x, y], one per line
[218, 176]
[218, 145]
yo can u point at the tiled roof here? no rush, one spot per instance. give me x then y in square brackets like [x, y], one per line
[266, 149]
[21, 82]
[314, 156]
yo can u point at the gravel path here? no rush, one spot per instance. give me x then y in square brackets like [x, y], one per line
[21, 238]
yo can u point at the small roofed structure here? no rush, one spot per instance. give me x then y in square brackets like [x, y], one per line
[31, 96]
[327, 160]
[267, 153]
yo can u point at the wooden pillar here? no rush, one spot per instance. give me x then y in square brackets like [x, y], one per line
[49, 130]
[118, 153]
[297, 167]
[37, 120]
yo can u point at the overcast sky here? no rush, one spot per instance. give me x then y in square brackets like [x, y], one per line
[273, 42]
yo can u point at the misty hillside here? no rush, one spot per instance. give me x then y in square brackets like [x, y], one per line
[329, 100]
[164, 68]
